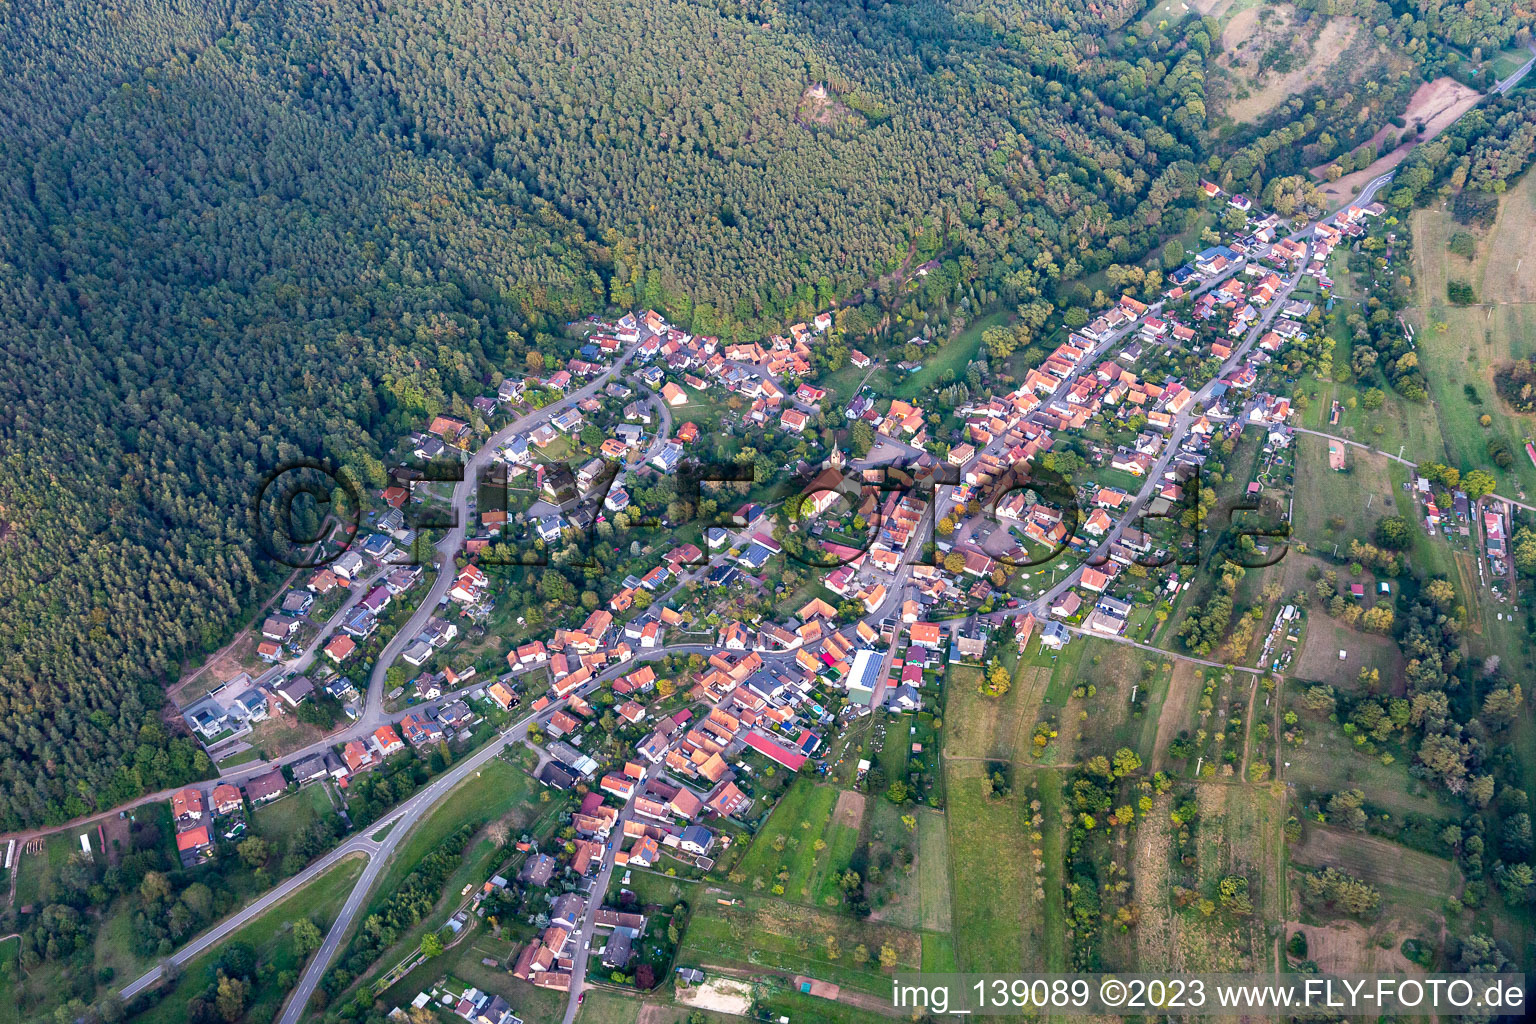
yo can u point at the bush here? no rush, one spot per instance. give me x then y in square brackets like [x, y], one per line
[1463, 245]
[1297, 946]
[1460, 292]
[1474, 207]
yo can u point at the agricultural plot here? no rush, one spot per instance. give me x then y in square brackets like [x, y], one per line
[1209, 745]
[1178, 710]
[999, 924]
[1157, 931]
[785, 859]
[933, 871]
[1405, 877]
[910, 893]
[1085, 699]
[939, 953]
[798, 940]
[1238, 834]
[1331, 508]
[1459, 359]
[1109, 717]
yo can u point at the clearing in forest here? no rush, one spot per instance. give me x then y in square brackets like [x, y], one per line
[1267, 57]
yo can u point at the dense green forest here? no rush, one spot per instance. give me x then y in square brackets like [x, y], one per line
[240, 232]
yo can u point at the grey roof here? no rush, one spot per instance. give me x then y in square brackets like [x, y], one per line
[309, 768]
[619, 950]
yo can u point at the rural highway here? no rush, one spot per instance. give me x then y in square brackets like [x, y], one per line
[378, 852]
[373, 714]
[1519, 73]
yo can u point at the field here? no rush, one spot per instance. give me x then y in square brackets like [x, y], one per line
[999, 925]
[954, 355]
[271, 937]
[1254, 37]
[1476, 339]
[985, 727]
[1325, 637]
[1406, 877]
[933, 871]
[784, 859]
[1006, 874]
[34, 870]
[1327, 761]
[1358, 496]
[283, 818]
[1238, 834]
[609, 1008]
[496, 790]
[1178, 710]
[797, 940]
[1398, 426]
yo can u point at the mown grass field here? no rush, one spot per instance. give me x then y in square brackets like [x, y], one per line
[494, 791]
[1325, 638]
[999, 925]
[601, 1007]
[933, 871]
[1358, 496]
[34, 870]
[286, 817]
[954, 355]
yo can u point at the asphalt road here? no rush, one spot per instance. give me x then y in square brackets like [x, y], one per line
[373, 714]
[1040, 605]
[1519, 73]
[403, 817]
[584, 935]
[453, 539]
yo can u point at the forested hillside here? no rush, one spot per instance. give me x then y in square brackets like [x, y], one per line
[237, 232]
[1489, 24]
